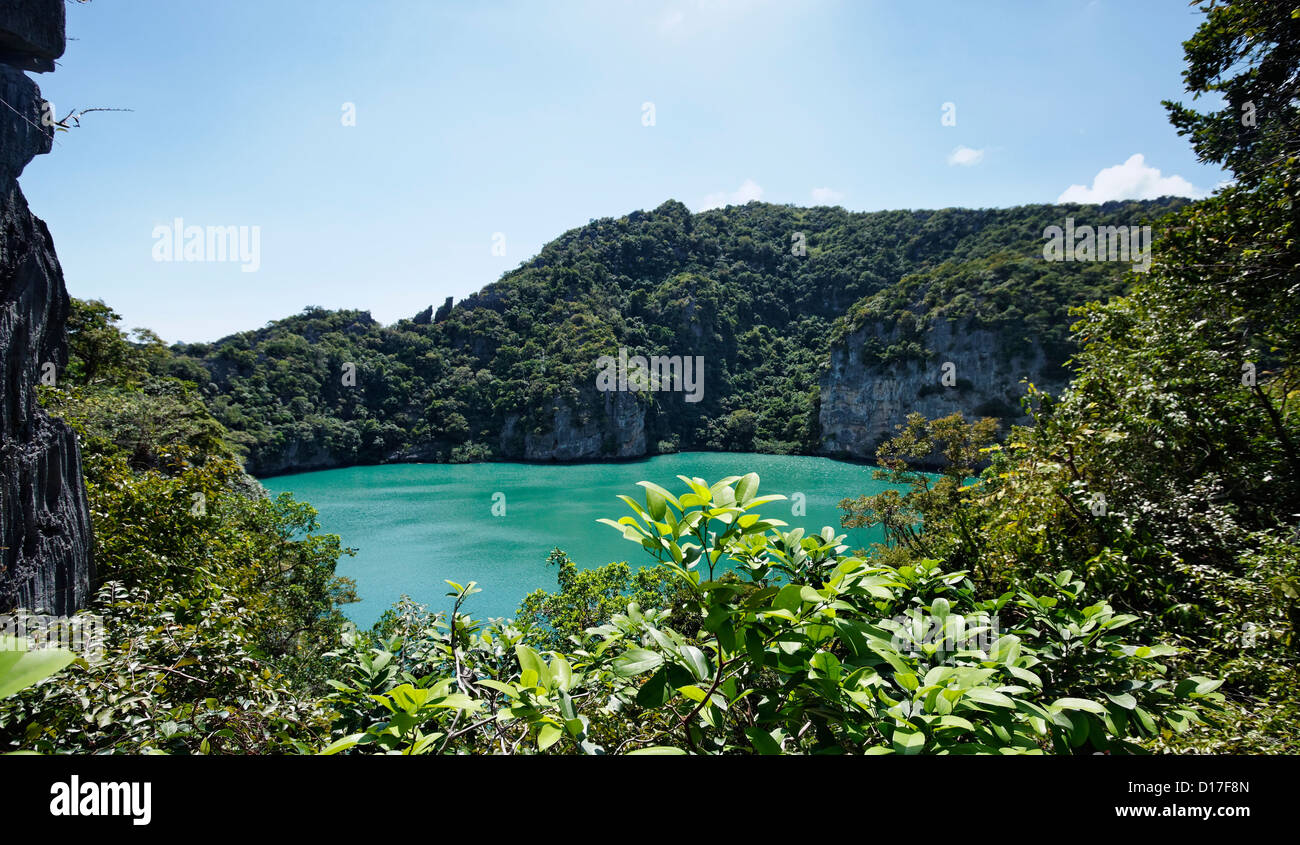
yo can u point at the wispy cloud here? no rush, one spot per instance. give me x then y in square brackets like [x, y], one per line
[965, 157]
[1132, 180]
[748, 190]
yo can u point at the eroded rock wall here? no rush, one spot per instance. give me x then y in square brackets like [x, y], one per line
[46, 561]
[617, 431]
[864, 399]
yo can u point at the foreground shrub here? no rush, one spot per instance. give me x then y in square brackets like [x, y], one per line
[802, 649]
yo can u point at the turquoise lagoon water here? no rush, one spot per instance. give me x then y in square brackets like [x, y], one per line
[414, 525]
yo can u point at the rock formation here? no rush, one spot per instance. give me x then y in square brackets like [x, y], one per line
[863, 398]
[45, 542]
[618, 430]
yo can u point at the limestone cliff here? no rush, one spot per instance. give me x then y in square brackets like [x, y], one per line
[864, 395]
[45, 542]
[618, 430]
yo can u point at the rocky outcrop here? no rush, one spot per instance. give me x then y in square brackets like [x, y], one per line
[31, 34]
[863, 398]
[614, 426]
[616, 430]
[45, 543]
[300, 455]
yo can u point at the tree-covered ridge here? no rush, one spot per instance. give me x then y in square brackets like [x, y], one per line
[729, 285]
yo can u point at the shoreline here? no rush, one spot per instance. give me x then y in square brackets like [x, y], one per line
[582, 462]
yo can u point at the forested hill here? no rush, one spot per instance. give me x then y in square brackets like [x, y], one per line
[802, 315]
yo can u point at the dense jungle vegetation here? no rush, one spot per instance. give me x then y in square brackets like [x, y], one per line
[723, 284]
[1123, 575]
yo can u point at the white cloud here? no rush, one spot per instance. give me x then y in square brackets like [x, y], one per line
[826, 196]
[965, 157]
[748, 190]
[1132, 180]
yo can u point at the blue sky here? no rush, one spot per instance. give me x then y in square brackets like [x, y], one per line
[527, 119]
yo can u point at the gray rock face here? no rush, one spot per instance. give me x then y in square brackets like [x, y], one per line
[863, 398]
[617, 431]
[299, 456]
[31, 33]
[22, 137]
[46, 561]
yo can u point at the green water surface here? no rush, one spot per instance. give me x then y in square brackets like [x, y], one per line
[414, 525]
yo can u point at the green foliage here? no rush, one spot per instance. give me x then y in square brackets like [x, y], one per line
[959, 448]
[218, 603]
[1245, 52]
[1168, 473]
[100, 353]
[473, 383]
[805, 649]
[591, 597]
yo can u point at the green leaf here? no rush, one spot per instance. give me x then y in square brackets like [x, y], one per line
[635, 661]
[696, 662]
[562, 672]
[984, 695]
[567, 710]
[509, 689]
[1080, 728]
[341, 745]
[656, 691]
[764, 743]
[547, 736]
[662, 496]
[657, 749]
[790, 598]
[908, 742]
[827, 665]
[20, 668]
[1125, 700]
[1204, 686]
[656, 505]
[530, 660]
[1079, 704]
[692, 692]
[1006, 649]
[1026, 676]
[810, 595]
